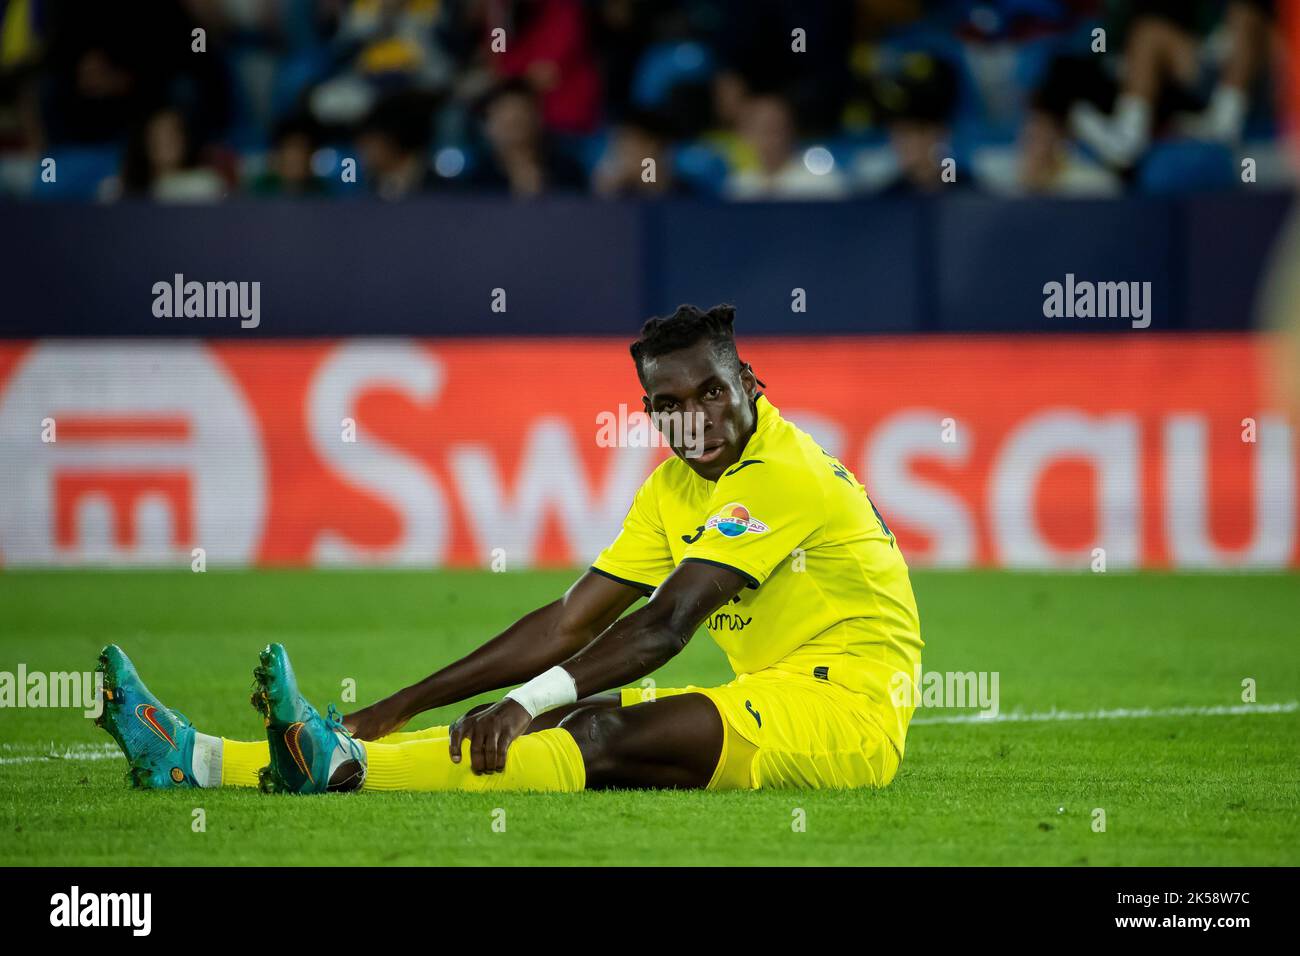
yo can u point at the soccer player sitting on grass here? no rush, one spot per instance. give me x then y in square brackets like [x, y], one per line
[750, 529]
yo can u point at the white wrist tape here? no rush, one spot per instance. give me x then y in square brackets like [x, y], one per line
[546, 692]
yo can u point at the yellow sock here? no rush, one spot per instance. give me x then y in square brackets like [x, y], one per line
[402, 736]
[547, 760]
[240, 761]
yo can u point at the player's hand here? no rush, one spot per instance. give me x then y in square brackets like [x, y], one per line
[490, 730]
[378, 720]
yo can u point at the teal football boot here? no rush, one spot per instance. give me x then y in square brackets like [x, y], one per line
[158, 742]
[309, 753]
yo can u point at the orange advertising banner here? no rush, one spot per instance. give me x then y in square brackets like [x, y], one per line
[1045, 452]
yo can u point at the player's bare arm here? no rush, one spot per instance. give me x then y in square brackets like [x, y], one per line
[627, 650]
[538, 640]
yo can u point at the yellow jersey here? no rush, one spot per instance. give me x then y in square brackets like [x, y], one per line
[828, 591]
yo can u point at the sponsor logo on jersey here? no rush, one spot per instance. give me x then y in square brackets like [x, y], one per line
[734, 519]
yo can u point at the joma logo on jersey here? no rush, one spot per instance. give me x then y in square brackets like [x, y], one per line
[733, 520]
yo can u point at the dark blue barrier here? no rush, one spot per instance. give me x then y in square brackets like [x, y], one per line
[578, 267]
[857, 264]
[1228, 242]
[994, 258]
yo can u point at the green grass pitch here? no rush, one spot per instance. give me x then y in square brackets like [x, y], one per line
[1176, 789]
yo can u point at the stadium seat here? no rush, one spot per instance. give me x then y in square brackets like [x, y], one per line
[589, 150]
[1177, 166]
[701, 168]
[846, 149]
[666, 65]
[294, 75]
[1033, 57]
[79, 172]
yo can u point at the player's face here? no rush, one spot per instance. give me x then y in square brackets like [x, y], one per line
[706, 404]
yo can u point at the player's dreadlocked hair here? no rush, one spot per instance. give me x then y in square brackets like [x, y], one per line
[688, 325]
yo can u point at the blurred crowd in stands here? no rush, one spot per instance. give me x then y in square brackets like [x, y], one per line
[196, 100]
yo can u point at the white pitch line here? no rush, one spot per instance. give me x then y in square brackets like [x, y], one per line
[1119, 713]
[39, 753]
[107, 751]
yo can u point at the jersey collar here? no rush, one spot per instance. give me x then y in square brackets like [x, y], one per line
[765, 415]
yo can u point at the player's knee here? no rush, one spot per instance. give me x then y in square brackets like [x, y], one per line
[596, 731]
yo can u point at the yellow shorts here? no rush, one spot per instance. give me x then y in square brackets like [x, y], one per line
[787, 730]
